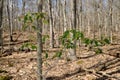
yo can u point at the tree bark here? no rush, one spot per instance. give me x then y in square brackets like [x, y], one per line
[72, 52]
[10, 20]
[23, 7]
[39, 42]
[51, 25]
[110, 20]
[1, 15]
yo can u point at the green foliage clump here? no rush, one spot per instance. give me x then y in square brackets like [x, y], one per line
[91, 42]
[5, 77]
[94, 43]
[69, 37]
[58, 54]
[30, 19]
[31, 46]
[28, 46]
[44, 38]
[98, 50]
[104, 40]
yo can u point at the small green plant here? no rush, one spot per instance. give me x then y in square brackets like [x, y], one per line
[29, 20]
[104, 40]
[28, 45]
[44, 38]
[5, 77]
[91, 42]
[58, 54]
[68, 41]
[69, 37]
[98, 50]
[93, 45]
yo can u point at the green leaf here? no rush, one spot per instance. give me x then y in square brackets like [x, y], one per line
[27, 45]
[45, 21]
[46, 55]
[87, 41]
[24, 27]
[65, 37]
[58, 54]
[25, 18]
[67, 40]
[38, 17]
[70, 45]
[34, 27]
[23, 46]
[5, 77]
[44, 38]
[98, 51]
[30, 18]
[19, 19]
[42, 15]
[79, 62]
[81, 35]
[107, 41]
[73, 31]
[96, 43]
[66, 34]
[33, 47]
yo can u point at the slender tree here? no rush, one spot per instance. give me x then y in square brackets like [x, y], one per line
[51, 25]
[72, 52]
[23, 7]
[100, 18]
[9, 7]
[110, 19]
[64, 16]
[1, 15]
[39, 42]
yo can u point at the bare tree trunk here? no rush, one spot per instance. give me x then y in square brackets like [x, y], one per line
[12, 15]
[17, 24]
[23, 12]
[1, 15]
[51, 25]
[88, 19]
[10, 21]
[110, 19]
[80, 18]
[72, 52]
[95, 18]
[64, 16]
[100, 19]
[39, 42]
[23, 7]
[80, 15]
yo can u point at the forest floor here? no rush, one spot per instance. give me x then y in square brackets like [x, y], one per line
[89, 66]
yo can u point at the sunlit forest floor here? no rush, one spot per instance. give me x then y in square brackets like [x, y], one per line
[21, 65]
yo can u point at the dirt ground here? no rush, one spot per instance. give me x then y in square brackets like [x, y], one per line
[88, 66]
